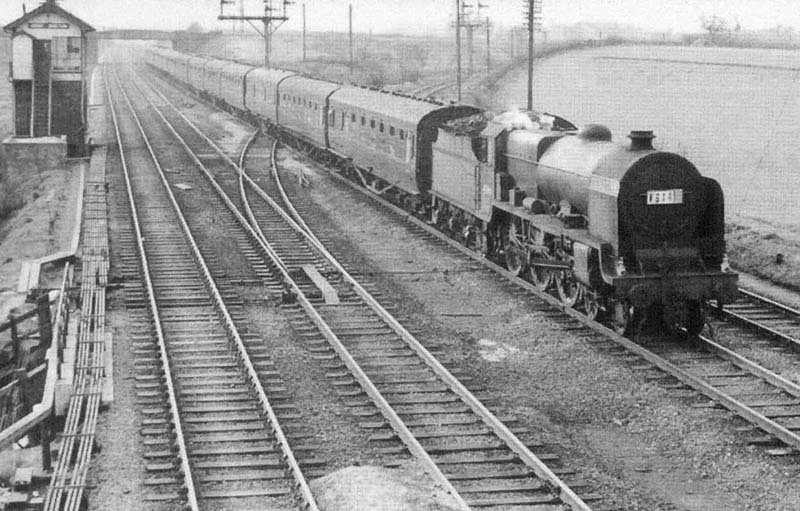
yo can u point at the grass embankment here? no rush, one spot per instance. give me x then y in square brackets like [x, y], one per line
[769, 253]
[11, 197]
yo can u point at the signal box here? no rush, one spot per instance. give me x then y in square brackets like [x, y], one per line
[48, 71]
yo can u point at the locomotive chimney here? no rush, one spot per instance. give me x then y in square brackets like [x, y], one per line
[641, 140]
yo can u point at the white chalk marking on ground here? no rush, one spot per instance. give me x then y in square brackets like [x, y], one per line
[494, 351]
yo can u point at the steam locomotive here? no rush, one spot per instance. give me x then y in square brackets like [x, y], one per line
[622, 230]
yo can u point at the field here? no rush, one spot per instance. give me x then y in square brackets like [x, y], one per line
[734, 112]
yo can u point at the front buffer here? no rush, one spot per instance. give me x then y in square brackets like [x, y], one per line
[678, 297]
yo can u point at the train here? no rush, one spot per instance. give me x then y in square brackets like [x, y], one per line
[620, 230]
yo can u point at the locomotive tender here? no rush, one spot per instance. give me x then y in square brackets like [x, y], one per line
[617, 228]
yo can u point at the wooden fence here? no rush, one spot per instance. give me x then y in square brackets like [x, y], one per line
[26, 399]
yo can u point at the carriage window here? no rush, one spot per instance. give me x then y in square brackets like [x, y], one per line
[353, 118]
[316, 106]
[372, 123]
[391, 130]
[333, 118]
[363, 121]
[402, 135]
[381, 128]
[411, 136]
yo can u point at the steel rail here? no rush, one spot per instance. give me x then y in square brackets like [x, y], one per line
[287, 454]
[771, 303]
[500, 429]
[511, 440]
[191, 491]
[385, 408]
[742, 318]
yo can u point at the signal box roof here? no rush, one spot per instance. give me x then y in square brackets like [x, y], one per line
[49, 7]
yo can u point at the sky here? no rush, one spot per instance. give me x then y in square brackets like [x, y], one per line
[421, 16]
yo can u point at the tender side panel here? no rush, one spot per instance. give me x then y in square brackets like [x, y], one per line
[460, 178]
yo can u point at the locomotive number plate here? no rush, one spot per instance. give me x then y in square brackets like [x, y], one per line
[664, 197]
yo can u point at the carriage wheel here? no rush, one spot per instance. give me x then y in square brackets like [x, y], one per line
[569, 289]
[482, 243]
[515, 254]
[435, 215]
[623, 314]
[515, 259]
[591, 304]
[541, 277]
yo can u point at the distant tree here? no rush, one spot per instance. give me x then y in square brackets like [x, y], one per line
[716, 26]
[195, 28]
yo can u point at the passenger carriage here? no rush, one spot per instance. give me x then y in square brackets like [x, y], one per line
[232, 78]
[387, 134]
[302, 107]
[195, 70]
[261, 93]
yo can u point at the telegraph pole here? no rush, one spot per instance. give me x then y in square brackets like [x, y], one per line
[350, 37]
[458, 48]
[469, 21]
[533, 20]
[530, 53]
[273, 17]
[470, 48]
[304, 32]
[488, 47]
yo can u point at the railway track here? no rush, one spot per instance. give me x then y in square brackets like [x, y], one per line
[758, 313]
[765, 399]
[477, 459]
[211, 434]
[769, 401]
